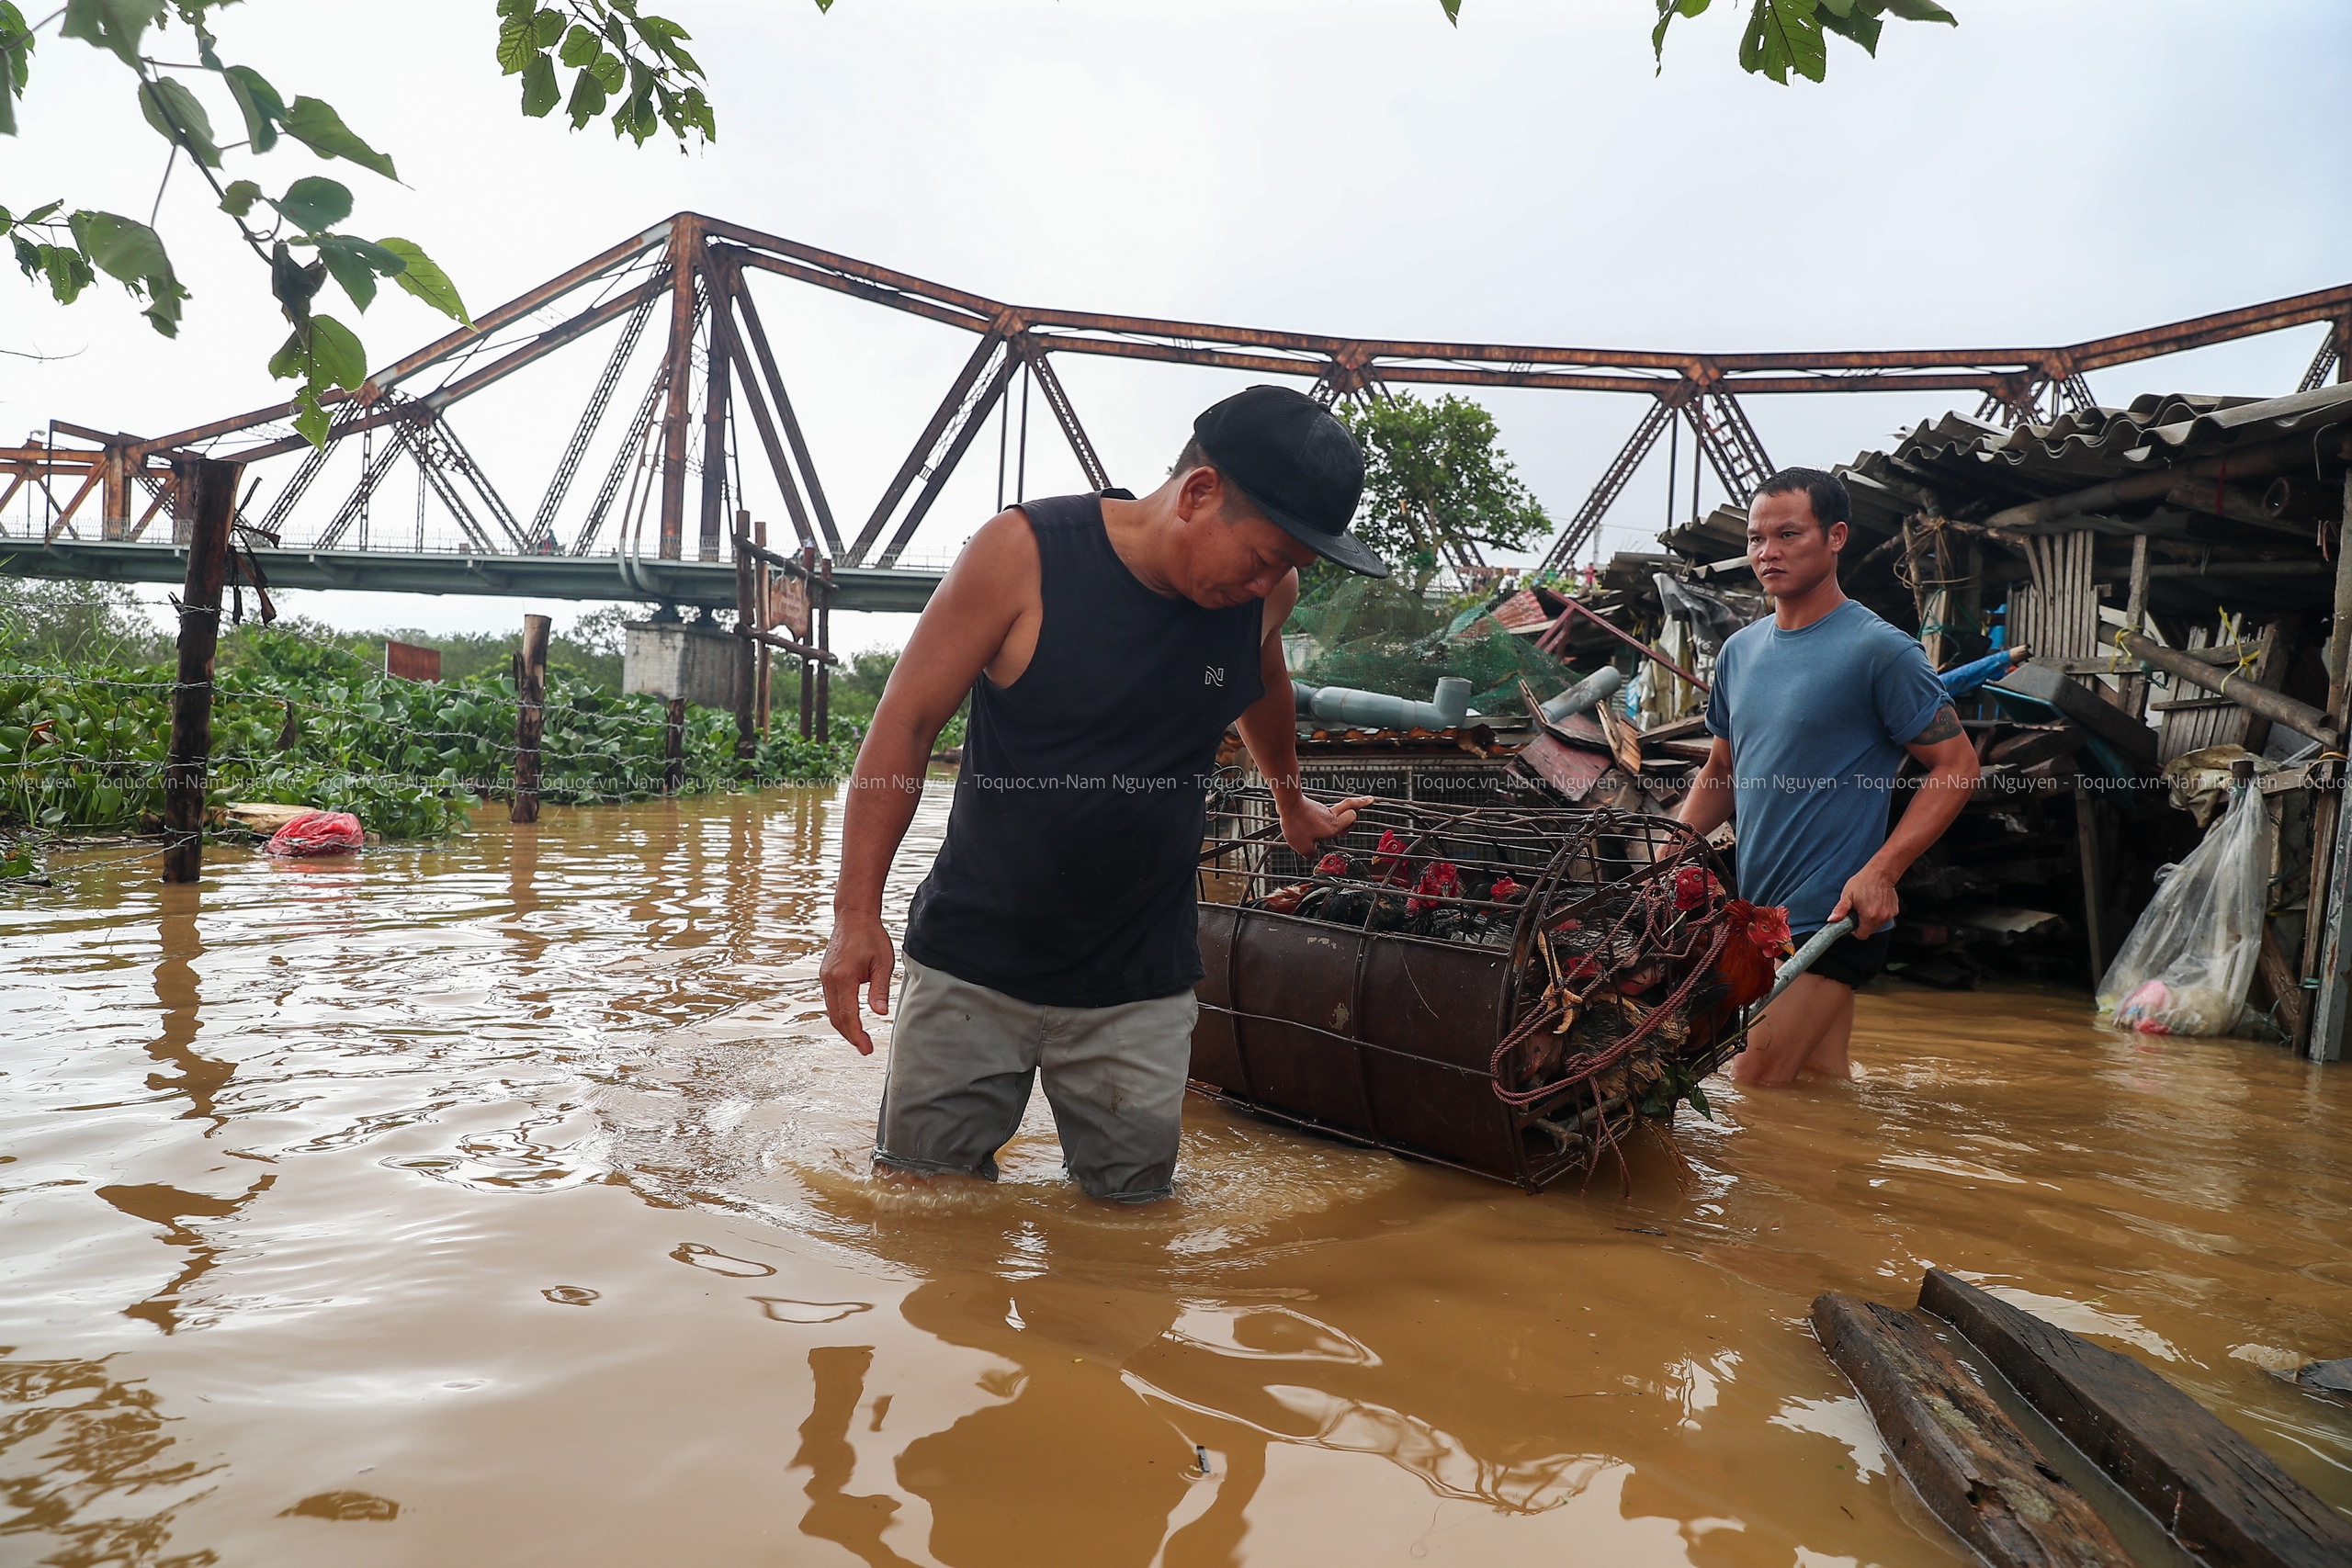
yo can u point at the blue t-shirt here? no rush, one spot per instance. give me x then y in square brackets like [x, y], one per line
[1818, 720]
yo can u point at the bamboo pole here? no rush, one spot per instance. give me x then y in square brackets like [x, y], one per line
[212, 487]
[530, 718]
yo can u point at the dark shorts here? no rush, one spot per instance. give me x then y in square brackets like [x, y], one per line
[1851, 961]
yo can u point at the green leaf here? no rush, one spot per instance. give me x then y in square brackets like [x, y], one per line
[1783, 35]
[15, 63]
[1453, 9]
[111, 24]
[315, 202]
[581, 48]
[540, 93]
[173, 111]
[133, 254]
[264, 111]
[1667, 11]
[518, 44]
[68, 274]
[547, 26]
[355, 264]
[239, 199]
[319, 128]
[421, 278]
[310, 419]
[340, 358]
[516, 8]
[587, 99]
[1921, 11]
[1698, 1098]
[294, 284]
[1861, 26]
[607, 69]
[288, 360]
[39, 214]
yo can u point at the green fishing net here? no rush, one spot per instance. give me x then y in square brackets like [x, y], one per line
[1376, 635]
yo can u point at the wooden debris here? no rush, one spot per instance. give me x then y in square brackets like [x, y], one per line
[2216, 1493]
[2333, 1379]
[2134, 740]
[1971, 1464]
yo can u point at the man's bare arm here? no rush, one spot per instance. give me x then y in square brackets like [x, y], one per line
[961, 631]
[1708, 806]
[1943, 748]
[1270, 729]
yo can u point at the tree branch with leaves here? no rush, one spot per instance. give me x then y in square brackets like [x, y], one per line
[1434, 474]
[634, 64]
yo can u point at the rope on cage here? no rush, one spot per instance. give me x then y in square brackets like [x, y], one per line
[1590, 1067]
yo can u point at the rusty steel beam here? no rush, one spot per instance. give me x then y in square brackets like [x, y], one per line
[972, 414]
[926, 446]
[860, 289]
[1064, 414]
[685, 271]
[729, 343]
[782, 399]
[465, 386]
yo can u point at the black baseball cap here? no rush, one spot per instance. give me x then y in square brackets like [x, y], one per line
[1296, 463]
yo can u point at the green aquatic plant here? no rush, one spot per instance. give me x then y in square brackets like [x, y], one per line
[82, 747]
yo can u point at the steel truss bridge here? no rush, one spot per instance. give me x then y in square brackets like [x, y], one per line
[676, 466]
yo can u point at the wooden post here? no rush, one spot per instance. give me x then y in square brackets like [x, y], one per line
[822, 610]
[748, 574]
[2087, 813]
[213, 486]
[530, 718]
[673, 748]
[2329, 958]
[2135, 611]
[767, 654]
[808, 667]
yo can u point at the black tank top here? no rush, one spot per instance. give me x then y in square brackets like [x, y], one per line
[1066, 876]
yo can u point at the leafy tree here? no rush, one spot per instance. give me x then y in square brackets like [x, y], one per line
[625, 64]
[1435, 474]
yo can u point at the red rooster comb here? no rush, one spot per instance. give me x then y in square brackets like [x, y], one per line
[1332, 864]
[1439, 880]
[1767, 927]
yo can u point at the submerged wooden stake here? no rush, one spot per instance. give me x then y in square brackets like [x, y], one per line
[212, 487]
[1971, 1464]
[674, 748]
[530, 718]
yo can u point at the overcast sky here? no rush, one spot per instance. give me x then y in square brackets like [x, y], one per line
[2050, 170]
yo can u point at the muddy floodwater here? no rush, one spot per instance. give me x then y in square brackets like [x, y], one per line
[506, 1203]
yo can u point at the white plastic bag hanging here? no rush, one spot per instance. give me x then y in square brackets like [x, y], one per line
[2187, 964]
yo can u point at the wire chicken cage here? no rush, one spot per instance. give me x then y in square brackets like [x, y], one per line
[1501, 990]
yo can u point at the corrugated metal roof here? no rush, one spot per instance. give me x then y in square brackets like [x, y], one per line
[1964, 458]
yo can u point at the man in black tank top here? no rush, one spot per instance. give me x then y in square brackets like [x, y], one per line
[1106, 643]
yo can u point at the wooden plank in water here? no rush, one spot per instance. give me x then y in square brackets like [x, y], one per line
[1974, 1469]
[2220, 1497]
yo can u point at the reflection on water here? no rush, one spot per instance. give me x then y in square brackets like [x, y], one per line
[507, 1200]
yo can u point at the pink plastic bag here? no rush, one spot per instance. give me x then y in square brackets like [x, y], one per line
[318, 833]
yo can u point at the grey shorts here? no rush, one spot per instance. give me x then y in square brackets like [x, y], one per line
[962, 1057]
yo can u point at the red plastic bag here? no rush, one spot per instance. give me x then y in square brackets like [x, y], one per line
[318, 833]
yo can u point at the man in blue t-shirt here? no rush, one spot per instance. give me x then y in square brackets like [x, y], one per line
[1812, 712]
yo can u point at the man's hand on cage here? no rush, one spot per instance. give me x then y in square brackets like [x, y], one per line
[1307, 823]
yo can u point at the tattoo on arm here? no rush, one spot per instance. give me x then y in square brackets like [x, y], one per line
[1944, 727]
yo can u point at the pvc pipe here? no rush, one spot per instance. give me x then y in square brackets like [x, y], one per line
[1585, 694]
[1377, 710]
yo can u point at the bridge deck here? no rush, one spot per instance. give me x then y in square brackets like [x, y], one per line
[604, 578]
